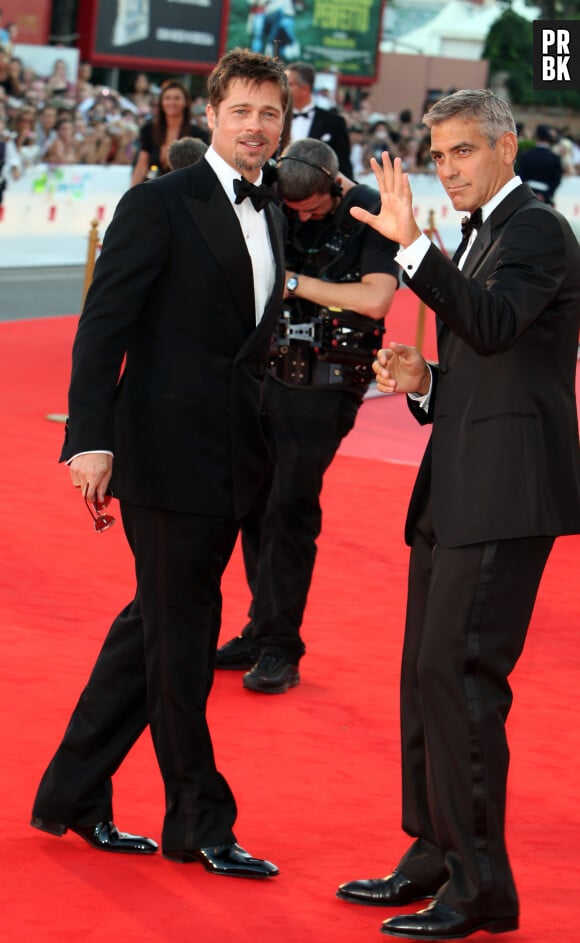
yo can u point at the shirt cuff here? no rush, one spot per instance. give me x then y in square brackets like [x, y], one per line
[410, 258]
[89, 452]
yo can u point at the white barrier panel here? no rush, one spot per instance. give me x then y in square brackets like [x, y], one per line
[46, 215]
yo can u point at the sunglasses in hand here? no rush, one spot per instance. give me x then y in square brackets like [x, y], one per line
[101, 522]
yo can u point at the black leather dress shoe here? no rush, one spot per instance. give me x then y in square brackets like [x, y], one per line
[272, 674]
[229, 860]
[439, 922]
[239, 654]
[393, 891]
[104, 835]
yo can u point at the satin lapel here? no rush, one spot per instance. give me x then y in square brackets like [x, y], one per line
[488, 232]
[487, 236]
[217, 222]
[317, 125]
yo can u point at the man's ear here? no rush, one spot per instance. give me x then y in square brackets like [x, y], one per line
[508, 142]
[336, 189]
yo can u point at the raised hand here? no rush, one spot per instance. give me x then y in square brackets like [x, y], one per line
[395, 219]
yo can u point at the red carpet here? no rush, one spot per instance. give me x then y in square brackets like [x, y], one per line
[315, 771]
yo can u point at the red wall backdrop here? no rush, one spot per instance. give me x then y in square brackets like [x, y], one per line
[32, 19]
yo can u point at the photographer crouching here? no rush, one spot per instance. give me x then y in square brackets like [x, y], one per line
[340, 281]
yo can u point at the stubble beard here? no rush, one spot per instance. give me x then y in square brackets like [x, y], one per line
[243, 164]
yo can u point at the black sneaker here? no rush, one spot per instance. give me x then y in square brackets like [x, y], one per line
[272, 674]
[239, 654]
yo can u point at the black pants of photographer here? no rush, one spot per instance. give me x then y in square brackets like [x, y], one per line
[279, 537]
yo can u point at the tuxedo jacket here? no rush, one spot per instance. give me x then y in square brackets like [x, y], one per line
[330, 127]
[503, 460]
[168, 361]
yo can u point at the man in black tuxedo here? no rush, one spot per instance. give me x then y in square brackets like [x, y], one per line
[186, 293]
[540, 167]
[310, 121]
[500, 480]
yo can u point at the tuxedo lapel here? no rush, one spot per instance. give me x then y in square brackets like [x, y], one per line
[209, 207]
[319, 124]
[487, 236]
[488, 232]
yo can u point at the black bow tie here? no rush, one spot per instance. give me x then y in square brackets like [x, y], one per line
[469, 223]
[303, 114]
[259, 196]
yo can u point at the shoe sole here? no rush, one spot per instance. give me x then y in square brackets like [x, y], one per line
[184, 858]
[503, 925]
[276, 689]
[383, 903]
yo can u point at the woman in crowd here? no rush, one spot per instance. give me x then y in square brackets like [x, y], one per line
[172, 121]
[25, 135]
[16, 87]
[57, 84]
[65, 148]
[97, 146]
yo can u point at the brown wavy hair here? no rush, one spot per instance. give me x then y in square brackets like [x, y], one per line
[251, 67]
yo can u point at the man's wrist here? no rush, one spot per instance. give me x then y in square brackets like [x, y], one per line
[292, 283]
[411, 239]
[426, 381]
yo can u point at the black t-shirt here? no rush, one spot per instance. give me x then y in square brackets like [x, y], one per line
[340, 248]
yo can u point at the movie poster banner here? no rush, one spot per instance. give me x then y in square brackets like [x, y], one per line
[175, 35]
[333, 35]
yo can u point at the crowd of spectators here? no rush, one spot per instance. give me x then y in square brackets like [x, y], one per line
[403, 138]
[61, 119]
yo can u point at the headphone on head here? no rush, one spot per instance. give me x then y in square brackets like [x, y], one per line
[335, 189]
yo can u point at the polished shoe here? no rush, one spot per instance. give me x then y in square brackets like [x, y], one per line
[229, 860]
[104, 835]
[393, 891]
[239, 654]
[272, 674]
[439, 922]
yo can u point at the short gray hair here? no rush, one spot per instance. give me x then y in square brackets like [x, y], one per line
[304, 168]
[474, 104]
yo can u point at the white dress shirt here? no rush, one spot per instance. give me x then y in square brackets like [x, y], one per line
[301, 125]
[254, 228]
